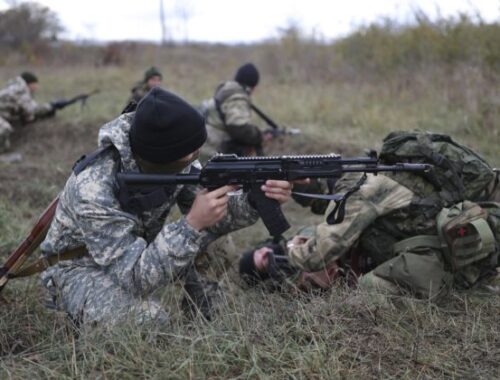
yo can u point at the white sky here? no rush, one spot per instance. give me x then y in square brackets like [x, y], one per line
[241, 21]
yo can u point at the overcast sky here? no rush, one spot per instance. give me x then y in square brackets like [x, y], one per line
[241, 21]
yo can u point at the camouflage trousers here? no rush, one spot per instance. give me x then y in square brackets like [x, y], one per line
[90, 296]
[419, 273]
[5, 131]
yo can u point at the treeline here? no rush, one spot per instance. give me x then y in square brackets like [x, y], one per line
[386, 46]
[29, 34]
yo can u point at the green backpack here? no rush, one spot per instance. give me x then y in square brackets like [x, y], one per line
[467, 235]
[458, 172]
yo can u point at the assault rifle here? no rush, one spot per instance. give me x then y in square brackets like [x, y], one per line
[17, 258]
[275, 130]
[82, 98]
[138, 192]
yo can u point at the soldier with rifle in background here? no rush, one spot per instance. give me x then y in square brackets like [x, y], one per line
[18, 107]
[229, 117]
[152, 78]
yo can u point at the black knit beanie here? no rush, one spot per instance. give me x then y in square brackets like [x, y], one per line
[249, 272]
[165, 128]
[29, 77]
[247, 75]
[152, 72]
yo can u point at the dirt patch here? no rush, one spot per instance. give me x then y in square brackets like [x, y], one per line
[49, 148]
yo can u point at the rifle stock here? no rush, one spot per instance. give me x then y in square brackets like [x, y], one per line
[17, 258]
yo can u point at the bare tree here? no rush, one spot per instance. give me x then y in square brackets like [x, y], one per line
[28, 23]
[184, 11]
[162, 24]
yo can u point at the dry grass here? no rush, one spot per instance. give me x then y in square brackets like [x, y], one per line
[339, 334]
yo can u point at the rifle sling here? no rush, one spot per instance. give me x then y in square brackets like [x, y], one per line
[47, 261]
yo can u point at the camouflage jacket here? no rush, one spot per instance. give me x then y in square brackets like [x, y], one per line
[230, 111]
[378, 197]
[138, 91]
[140, 253]
[17, 103]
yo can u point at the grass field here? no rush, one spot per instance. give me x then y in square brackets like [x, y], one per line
[339, 334]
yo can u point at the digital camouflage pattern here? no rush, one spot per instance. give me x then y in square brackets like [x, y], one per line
[17, 106]
[232, 122]
[129, 256]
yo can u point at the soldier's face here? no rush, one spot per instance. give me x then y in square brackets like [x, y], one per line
[261, 258]
[322, 279]
[154, 81]
[168, 168]
[33, 87]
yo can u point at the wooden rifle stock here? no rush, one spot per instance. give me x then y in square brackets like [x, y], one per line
[28, 245]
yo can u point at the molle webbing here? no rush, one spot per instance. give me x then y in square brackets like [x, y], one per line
[465, 235]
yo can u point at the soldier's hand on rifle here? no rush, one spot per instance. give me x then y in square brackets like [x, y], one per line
[59, 104]
[209, 207]
[267, 136]
[278, 190]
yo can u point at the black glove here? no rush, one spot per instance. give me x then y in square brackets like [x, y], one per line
[59, 104]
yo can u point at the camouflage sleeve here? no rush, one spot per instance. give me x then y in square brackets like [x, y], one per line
[378, 196]
[240, 213]
[114, 237]
[246, 134]
[31, 109]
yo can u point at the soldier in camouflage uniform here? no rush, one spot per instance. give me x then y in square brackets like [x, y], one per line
[152, 78]
[128, 255]
[17, 106]
[229, 117]
[411, 237]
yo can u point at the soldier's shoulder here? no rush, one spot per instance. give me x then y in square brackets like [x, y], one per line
[16, 86]
[97, 181]
[230, 89]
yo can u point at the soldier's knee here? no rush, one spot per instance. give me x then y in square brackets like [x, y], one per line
[371, 282]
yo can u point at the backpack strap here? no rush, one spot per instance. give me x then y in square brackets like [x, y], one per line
[44, 262]
[87, 159]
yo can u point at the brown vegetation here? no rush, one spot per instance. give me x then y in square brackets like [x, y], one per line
[345, 100]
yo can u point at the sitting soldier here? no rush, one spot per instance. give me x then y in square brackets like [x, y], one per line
[123, 255]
